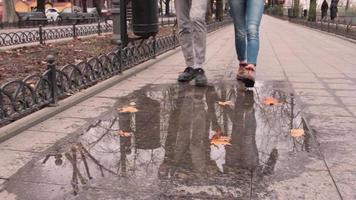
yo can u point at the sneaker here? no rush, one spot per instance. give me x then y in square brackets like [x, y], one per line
[250, 76]
[241, 73]
[187, 75]
[200, 78]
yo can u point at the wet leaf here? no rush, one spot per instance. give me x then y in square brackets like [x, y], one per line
[270, 101]
[297, 133]
[128, 109]
[225, 103]
[222, 140]
[219, 139]
[125, 134]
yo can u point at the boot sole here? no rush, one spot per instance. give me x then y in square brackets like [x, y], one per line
[248, 82]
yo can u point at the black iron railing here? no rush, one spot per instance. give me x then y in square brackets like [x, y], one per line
[41, 35]
[344, 27]
[21, 97]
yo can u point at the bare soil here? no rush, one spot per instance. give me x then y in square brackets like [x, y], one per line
[21, 62]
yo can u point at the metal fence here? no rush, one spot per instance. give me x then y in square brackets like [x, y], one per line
[339, 27]
[41, 35]
[21, 97]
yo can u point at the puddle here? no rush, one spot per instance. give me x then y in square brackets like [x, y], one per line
[177, 142]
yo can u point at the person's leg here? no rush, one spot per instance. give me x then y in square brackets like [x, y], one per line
[197, 16]
[238, 15]
[185, 30]
[254, 11]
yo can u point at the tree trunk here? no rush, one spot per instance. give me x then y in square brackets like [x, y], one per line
[167, 3]
[209, 11]
[9, 12]
[312, 11]
[97, 5]
[347, 5]
[219, 10]
[161, 7]
[85, 5]
[41, 5]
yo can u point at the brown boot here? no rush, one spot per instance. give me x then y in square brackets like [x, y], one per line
[241, 73]
[250, 76]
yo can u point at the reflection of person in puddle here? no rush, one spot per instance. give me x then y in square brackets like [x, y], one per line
[243, 152]
[187, 145]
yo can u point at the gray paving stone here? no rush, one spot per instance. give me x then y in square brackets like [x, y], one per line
[344, 93]
[32, 141]
[95, 101]
[352, 109]
[308, 85]
[82, 112]
[334, 123]
[342, 81]
[318, 100]
[328, 111]
[60, 124]
[11, 161]
[313, 92]
[349, 101]
[343, 87]
[114, 93]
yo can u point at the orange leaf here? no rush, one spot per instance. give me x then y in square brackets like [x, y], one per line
[128, 109]
[125, 134]
[297, 133]
[225, 103]
[222, 140]
[271, 101]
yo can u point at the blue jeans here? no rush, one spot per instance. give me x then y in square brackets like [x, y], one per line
[247, 16]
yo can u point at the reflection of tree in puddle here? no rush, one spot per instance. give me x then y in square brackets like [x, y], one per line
[170, 141]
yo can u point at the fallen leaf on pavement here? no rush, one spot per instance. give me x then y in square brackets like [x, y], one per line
[270, 101]
[128, 109]
[225, 103]
[297, 133]
[125, 134]
[223, 140]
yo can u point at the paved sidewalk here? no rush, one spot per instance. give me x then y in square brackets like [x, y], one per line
[317, 67]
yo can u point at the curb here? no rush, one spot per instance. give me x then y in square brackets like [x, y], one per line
[35, 118]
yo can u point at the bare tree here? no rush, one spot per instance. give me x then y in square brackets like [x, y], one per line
[347, 5]
[10, 12]
[41, 5]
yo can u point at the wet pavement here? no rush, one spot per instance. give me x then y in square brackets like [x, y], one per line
[178, 141]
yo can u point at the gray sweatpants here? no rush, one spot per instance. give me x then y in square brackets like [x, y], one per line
[192, 30]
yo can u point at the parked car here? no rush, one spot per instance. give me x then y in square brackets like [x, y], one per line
[52, 14]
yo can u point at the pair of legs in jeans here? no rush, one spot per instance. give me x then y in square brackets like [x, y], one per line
[192, 36]
[247, 16]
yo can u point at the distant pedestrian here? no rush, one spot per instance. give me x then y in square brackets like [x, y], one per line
[192, 36]
[324, 9]
[247, 15]
[333, 9]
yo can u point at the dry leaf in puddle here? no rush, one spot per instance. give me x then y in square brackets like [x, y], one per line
[225, 103]
[222, 140]
[125, 134]
[297, 133]
[128, 109]
[270, 101]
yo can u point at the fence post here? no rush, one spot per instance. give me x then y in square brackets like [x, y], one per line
[154, 47]
[52, 77]
[99, 31]
[74, 31]
[40, 33]
[121, 63]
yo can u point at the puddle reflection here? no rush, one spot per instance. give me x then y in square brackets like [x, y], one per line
[164, 149]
